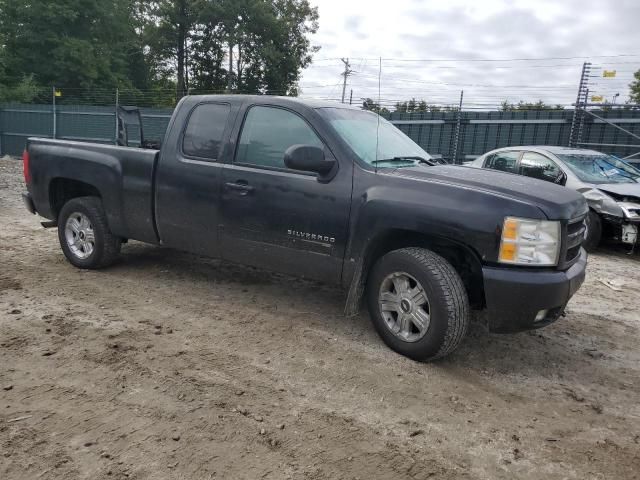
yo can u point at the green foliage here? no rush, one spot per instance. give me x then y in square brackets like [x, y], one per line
[634, 87]
[73, 44]
[24, 91]
[244, 46]
[539, 105]
[412, 106]
[161, 48]
[369, 104]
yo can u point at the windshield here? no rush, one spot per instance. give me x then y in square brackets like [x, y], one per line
[600, 168]
[358, 129]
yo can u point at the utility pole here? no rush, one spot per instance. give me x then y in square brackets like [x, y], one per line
[345, 74]
[581, 100]
[351, 97]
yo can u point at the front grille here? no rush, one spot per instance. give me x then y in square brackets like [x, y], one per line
[575, 235]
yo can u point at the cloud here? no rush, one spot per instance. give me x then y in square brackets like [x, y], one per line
[470, 31]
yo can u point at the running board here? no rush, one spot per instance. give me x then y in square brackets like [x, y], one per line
[49, 224]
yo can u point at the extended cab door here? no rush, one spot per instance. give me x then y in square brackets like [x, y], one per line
[281, 219]
[189, 173]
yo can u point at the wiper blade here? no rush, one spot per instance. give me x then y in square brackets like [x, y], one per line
[404, 159]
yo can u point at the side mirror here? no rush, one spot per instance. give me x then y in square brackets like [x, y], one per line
[310, 159]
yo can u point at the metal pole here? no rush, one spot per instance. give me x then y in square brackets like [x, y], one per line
[351, 97]
[456, 137]
[584, 79]
[581, 124]
[53, 94]
[0, 133]
[116, 115]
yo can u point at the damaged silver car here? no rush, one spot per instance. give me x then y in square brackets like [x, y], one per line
[610, 185]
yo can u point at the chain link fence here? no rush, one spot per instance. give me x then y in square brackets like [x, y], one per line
[82, 117]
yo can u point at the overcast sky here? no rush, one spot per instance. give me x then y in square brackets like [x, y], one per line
[465, 33]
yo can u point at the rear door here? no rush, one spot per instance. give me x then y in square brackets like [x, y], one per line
[277, 218]
[536, 165]
[188, 177]
[504, 161]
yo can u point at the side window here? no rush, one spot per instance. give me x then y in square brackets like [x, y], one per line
[503, 161]
[268, 132]
[203, 135]
[538, 166]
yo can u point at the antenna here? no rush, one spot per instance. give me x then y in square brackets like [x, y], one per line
[378, 112]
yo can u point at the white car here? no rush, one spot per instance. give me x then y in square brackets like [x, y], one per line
[610, 185]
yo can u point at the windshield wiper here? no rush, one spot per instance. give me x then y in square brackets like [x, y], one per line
[404, 159]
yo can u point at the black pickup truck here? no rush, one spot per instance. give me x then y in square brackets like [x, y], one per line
[327, 192]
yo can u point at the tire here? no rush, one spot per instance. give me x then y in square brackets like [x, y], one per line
[447, 303]
[84, 234]
[593, 233]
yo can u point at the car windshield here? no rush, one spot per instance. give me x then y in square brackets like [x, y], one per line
[600, 168]
[358, 128]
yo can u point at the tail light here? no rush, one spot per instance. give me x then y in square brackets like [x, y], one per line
[25, 166]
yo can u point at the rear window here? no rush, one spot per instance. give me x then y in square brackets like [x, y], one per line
[203, 135]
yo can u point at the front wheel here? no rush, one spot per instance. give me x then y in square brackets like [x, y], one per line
[418, 303]
[593, 231]
[84, 234]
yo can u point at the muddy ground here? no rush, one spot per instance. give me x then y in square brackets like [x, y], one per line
[169, 365]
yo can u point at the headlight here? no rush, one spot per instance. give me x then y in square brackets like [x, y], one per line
[530, 242]
[631, 210]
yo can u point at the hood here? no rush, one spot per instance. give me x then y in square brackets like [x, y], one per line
[620, 189]
[557, 202]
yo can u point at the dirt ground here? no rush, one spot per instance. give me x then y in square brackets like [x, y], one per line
[169, 365]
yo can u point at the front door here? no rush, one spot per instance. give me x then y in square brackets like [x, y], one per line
[281, 219]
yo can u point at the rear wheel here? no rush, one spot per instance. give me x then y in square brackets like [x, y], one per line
[593, 231]
[84, 234]
[418, 303]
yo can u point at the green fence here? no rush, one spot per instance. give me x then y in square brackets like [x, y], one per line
[484, 131]
[70, 122]
[479, 131]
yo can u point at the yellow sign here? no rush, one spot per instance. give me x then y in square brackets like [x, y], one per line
[597, 98]
[609, 73]
[58, 93]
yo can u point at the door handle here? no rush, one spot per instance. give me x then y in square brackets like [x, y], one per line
[241, 186]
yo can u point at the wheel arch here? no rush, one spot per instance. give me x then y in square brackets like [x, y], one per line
[63, 189]
[464, 259]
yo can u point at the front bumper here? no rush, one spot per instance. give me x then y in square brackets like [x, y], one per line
[515, 297]
[28, 203]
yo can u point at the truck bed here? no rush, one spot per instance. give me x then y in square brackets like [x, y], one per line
[123, 177]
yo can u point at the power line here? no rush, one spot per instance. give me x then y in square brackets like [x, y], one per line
[529, 59]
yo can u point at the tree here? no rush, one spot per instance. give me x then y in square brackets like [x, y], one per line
[634, 87]
[252, 46]
[168, 32]
[371, 105]
[505, 106]
[421, 106]
[73, 44]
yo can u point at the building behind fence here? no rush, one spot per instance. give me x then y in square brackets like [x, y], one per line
[479, 131]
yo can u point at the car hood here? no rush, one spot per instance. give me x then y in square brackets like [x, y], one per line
[557, 202]
[620, 189]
